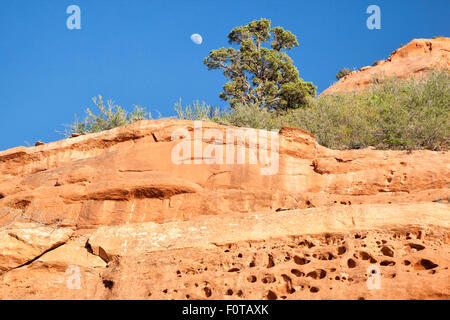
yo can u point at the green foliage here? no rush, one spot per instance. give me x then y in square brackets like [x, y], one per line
[342, 73]
[391, 114]
[111, 116]
[198, 111]
[252, 116]
[265, 77]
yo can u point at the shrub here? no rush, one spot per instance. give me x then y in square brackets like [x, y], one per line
[253, 116]
[342, 73]
[391, 114]
[111, 116]
[198, 111]
[248, 115]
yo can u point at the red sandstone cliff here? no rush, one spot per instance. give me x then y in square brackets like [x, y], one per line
[413, 59]
[137, 225]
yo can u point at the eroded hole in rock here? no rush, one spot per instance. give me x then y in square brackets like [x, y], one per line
[251, 279]
[324, 256]
[416, 246]
[307, 243]
[288, 281]
[342, 250]
[365, 256]
[229, 292]
[301, 261]
[270, 264]
[297, 273]
[269, 279]
[207, 291]
[286, 277]
[387, 251]
[271, 295]
[109, 284]
[317, 274]
[425, 264]
[2, 195]
[387, 263]
[309, 204]
[234, 270]
[314, 289]
[322, 273]
[351, 263]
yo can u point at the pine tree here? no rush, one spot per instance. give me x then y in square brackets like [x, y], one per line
[259, 75]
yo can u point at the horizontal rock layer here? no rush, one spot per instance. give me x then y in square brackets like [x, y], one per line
[112, 216]
[127, 175]
[319, 253]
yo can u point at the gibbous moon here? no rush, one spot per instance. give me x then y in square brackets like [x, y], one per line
[197, 39]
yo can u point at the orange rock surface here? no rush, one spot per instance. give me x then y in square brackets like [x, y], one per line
[413, 59]
[111, 216]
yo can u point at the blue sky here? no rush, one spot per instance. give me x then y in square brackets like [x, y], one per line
[140, 52]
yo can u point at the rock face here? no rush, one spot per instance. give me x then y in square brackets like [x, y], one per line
[413, 59]
[24, 242]
[114, 215]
